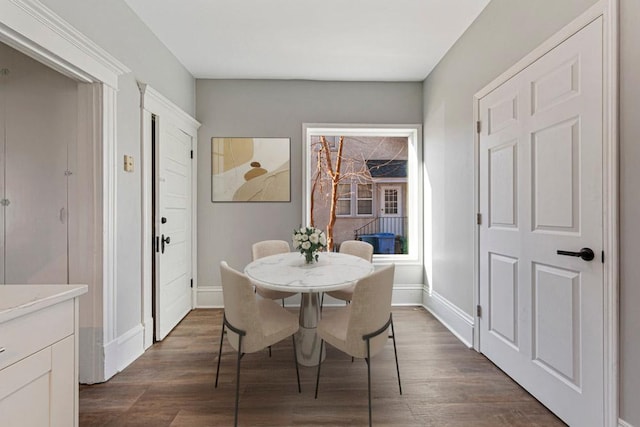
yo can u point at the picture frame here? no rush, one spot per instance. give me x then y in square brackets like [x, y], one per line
[250, 169]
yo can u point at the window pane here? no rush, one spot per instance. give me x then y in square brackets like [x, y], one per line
[344, 191]
[391, 201]
[364, 191]
[371, 163]
[343, 207]
[364, 207]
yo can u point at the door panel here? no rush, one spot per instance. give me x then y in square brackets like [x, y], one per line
[541, 188]
[503, 173]
[556, 321]
[556, 169]
[503, 291]
[173, 258]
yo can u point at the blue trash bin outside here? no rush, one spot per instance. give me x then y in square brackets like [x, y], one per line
[386, 243]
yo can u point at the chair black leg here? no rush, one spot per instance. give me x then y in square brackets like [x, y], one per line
[319, 363]
[235, 418]
[269, 351]
[220, 352]
[368, 360]
[395, 352]
[295, 360]
[321, 302]
[282, 302]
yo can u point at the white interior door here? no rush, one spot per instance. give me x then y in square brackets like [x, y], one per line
[173, 227]
[40, 120]
[541, 191]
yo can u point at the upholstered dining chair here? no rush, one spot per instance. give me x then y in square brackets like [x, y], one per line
[253, 324]
[266, 248]
[360, 329]
[357, 248]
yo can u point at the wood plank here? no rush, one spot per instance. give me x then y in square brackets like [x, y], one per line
[444, 384]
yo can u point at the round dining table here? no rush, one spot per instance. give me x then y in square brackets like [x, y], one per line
[289, 272]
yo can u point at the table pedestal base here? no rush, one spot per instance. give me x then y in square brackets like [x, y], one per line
[307, 340]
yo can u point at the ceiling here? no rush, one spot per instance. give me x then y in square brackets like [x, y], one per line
[349, 40]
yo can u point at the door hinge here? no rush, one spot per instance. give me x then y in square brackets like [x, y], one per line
[478, 311]
[192, 154]
[478, 218]
[478, 126]
[602, 256]
[192, 283]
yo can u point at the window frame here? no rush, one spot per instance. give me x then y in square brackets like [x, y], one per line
[415, 183]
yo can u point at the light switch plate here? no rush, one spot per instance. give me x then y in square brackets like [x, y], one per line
[128, 163]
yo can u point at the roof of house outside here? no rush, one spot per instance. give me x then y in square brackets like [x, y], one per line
[387, 168]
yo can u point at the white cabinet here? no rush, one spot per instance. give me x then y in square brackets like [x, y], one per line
[38, 355]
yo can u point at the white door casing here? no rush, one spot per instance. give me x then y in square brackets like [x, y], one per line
[181, 127]
[173, 227]
[541, 180]
[35, 30]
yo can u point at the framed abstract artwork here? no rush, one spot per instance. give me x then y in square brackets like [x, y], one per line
[250, 169]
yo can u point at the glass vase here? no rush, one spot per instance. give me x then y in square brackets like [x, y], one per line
[309, 257]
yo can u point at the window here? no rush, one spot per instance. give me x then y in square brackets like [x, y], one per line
[344, 200]
[380, 186]
[364, 199]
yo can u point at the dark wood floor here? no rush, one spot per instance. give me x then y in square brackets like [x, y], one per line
[444, 384]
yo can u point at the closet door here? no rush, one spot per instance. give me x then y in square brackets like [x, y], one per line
[40, 124]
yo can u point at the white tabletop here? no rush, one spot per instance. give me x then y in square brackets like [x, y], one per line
[289, 272]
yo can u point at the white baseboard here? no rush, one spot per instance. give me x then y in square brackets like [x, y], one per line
[403, 295]
[407, 295]
[130, 346]
[110, 352]
[120, 352]
[623, 423]
[209, 297]
[450, 315]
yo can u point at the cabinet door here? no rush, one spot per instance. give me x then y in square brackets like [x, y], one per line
[40, 121]
[39, 390]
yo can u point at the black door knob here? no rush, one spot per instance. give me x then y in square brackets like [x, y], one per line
[585, 253]
[164, 240]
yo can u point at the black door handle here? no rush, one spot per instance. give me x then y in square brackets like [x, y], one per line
[585, 253]
[164, 240]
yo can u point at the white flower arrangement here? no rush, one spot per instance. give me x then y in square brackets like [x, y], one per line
[309, 241]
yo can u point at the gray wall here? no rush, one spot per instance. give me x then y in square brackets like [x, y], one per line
[277, 108]
[116, 29]
[504, 32]
[629, 212]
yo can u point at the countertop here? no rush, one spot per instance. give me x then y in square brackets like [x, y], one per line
[18, 300]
